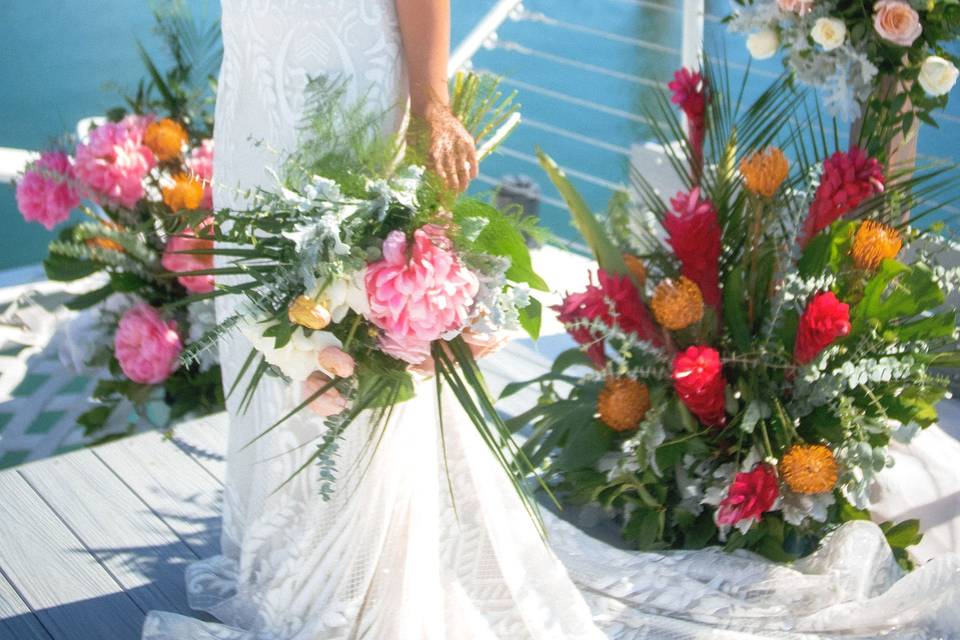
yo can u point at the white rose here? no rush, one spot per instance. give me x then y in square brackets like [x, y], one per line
[349, 292]
[298, 358]
[937, 75]
[829, 33]
[763, 44]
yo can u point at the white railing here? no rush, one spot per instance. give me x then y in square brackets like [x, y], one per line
[12, 162]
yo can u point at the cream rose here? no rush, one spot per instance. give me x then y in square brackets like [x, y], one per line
[897, 22]
[829, 33]
[938, 75]
[763, 44]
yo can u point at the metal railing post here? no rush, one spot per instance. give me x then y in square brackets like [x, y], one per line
[481, 34]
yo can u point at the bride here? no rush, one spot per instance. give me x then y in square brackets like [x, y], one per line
[396, 554]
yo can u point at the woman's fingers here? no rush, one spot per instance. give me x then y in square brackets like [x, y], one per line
[472, 159]
[451, 175]
[464, 167]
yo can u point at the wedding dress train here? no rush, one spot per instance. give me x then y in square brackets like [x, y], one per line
[397, 553]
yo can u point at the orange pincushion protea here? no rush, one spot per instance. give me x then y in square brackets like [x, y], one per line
[764, 171]
[677, 304]
[186, 192]
[809, 468]
[873, 243]
[166, 139]
[636, 267]
[623, 403]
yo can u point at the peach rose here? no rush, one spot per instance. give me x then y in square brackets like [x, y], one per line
[799, 7]
[330, 403]
[897, 22]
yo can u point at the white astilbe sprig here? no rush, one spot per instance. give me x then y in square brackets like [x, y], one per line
[640, 449]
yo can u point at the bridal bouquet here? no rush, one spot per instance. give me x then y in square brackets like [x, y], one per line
[141, 179]
[846, 48]
[359, 272]
[750, 347]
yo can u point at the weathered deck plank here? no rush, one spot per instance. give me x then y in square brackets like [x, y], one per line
[71, 593]
[16, 619]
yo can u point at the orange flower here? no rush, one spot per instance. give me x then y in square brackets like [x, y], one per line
[305, 312]
[166, 139]
[677, 304]
[186, 192]
[636, 267]
[764, 171]
[873, 243]
[809, 468]
[623, 403]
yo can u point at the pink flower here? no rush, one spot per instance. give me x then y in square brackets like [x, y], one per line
[410, 350]
[481, 345]
[417, 298]
[751, 495]
[699, 382]
[799, 7]
[46, 193]
[174, 262]
[695, 236]
[200, 164]
[823, 321]
[146, 345]
[691, 93]
[114, 161]
[336, 361]
[897, 22]
[847, 180]
[330, 403]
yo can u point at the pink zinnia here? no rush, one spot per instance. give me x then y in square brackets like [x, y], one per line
[691, 94]
[419, 297]
[190, 240]
[200, 164]
[751, 495]
[147, 346]
[847, 180]
[699, 382]
[823, 321]
[114, 161]
[694, 234]
[46, 192]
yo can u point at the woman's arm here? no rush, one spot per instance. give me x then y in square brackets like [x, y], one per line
[425, 27]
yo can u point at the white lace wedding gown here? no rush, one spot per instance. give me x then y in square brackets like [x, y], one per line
[391, 557]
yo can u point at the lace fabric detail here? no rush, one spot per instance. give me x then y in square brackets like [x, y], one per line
[394, 555]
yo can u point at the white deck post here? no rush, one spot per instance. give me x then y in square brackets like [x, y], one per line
[693, 11]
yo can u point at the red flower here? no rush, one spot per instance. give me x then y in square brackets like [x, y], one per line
[616, 302]
[698, 381]
[751, 495]
[694, 235]
[691, 93]
[847, 180]
[824, 320]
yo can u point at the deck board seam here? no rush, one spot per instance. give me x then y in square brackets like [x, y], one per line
[146, 504]
[186, 451]
[23, 598]
[76, 535]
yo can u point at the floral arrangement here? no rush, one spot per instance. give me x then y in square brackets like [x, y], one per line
[749, 348]
[141, 178]
[359, 272]
[847, 49]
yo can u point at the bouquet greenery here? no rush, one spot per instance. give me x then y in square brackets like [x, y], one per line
[755, 343]
[137, 176]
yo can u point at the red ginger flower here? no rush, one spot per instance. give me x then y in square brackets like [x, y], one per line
[691, 94]
[847, 180]
[699, 382]
[694, 235]
[824, 320]
[616, 302]
[751, 495]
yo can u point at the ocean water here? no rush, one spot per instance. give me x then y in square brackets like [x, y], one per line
[61, 61]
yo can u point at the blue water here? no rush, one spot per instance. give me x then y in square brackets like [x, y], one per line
[59, 59]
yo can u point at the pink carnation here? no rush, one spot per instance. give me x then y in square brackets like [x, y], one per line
[146, 345]
[46, 193]
[417, 297]
[201, 167]
[114, 161]
[175, 262]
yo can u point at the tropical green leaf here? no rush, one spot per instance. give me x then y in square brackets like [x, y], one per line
[89, 299]
[531, 317]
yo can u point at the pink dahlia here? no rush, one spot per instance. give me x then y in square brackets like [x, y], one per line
[146, 345]
[614, 303]
[694, 234]
[114, 161]
[416, 296]
[175, 262]
[823, 321]
[46, 193]
[699, 382]
[751, 495]
[847, 180]
[691, 94]
[200, 164]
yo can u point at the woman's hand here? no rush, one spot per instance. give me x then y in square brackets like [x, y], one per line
[450, 149]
